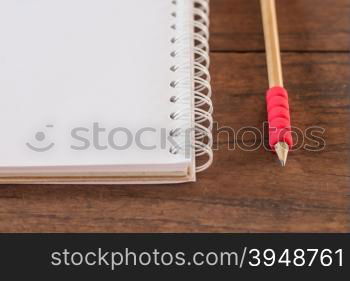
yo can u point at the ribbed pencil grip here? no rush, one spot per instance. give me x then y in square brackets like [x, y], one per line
[278, 117]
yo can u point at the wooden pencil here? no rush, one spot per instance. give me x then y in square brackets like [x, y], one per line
[280, 137]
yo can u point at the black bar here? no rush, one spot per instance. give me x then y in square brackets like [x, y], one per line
[170, 255]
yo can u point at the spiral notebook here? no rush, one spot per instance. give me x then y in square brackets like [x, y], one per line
[104, 91]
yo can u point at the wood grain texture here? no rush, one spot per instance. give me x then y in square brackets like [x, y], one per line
[243, 191]
[304, 25]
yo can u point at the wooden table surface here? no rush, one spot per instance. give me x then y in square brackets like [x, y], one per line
[242, 191]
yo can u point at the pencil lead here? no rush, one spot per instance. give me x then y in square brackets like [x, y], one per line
[282, 150]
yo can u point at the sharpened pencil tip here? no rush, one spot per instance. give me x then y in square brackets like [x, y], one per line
[282, 150]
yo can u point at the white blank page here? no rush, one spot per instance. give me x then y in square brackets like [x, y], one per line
[66, 65]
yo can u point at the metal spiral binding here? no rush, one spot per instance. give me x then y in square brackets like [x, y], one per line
[203, 110]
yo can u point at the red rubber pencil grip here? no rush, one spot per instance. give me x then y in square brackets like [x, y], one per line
[278, 117]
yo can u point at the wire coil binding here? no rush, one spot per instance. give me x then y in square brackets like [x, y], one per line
[201, 96]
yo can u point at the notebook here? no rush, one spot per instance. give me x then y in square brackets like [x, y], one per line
[104, 91]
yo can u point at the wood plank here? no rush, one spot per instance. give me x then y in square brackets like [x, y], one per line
[243, 191]
[312, 25]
